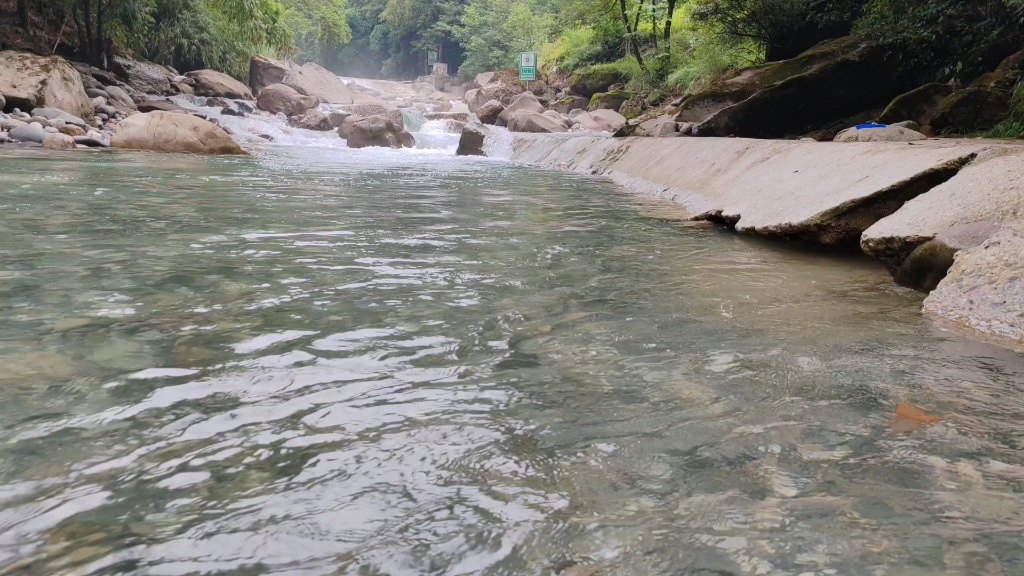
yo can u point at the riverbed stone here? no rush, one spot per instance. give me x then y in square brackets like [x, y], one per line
[474, 99]
[28, 133]
[55, 114]
[525, 103]
[219, 84]
[144, 77]
[281, 99]
[29, 81]
[312, 119]
[159, 105]
[346, 125]
[928, 263]
[171, 132]
[601, 121]
[309, 79]
[657, 127]
[92, 141]
[612, 100]
[8, 124]
[375, 131]
[58, 141]
[471, 142]
[525, 121]
[489, 112]
[72, 130]
[886, 134]
[383, 110]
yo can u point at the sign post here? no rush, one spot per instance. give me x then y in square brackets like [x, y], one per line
[528, 66]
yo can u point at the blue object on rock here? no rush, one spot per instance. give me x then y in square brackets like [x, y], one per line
[869, 125]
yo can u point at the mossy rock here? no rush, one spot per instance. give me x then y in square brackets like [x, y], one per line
[593, 81]
[631, 109]
[609, 100]
[919, 105]
[972, 109]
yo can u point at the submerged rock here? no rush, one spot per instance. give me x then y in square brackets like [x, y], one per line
[471, 142]
[29, 81]
[171, 132]
[313, 119]
[377, 131]
[366, 110]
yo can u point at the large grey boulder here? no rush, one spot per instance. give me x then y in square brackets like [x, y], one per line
[171, 132]
[345, 126]
[281, 99]
[29, 81]
[377, 131]
[535, 122]
[471, 142]
[382, 110]
[474, 99]
[601, 121]
[524, 103]
[219, 84]
[886, 134]
[119, 98]
[567, 104]
[28, 133]
[144, 77]
[55, 114]
[489, 112]
[313, 119]
[503, 87]
[310, 79]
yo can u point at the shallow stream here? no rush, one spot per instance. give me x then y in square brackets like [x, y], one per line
[323, 361]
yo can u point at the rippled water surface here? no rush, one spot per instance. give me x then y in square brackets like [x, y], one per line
[325, 361]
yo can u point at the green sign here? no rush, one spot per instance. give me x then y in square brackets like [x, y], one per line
[431, 57]
[528, 66]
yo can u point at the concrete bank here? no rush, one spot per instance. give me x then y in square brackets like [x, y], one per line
[831, 194]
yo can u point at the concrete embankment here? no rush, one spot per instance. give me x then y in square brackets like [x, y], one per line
[889, 199]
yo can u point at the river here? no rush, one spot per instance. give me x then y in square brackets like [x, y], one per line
[322, 361]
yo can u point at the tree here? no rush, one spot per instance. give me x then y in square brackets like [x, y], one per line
[24, 21]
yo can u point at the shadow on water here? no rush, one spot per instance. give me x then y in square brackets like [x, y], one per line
[326, 361]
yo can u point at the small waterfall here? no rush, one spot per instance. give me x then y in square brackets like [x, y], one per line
[413, 119]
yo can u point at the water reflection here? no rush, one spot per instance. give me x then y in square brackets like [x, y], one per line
[317, 361]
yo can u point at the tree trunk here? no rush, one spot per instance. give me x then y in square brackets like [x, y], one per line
[630, 36]
[83, 40]
[668, 26]
[23, 17]
[100, 49]
[654, 25]
[88, 48]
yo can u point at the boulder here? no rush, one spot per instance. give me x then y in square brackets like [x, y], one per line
[886, 134]
[474, 99]
[503, 87]
[72, 130]
[281, 99]
[345, 128]
[457, 116]
[144, 77]
[609, 100]
[594, 81]
[264, 71]
[96, 92]
[484, 78]
[569, 103]
[489, 112]
[656, 127]
[9, 124]
[376, 131]
[170, 132]
[918, 105]
[835, 80]
[28, 133]
[313, 119]
[337, 117]
[983, 288]
[601, 121]
[213, 83]
[366, 110]
[182, 88]
[524, 103]
[928, 264]
[28, 81]
[161, 105]
[471, 142]
[982, 104]
[119, 98]
[524, 121]
[3, 102]
[312, 79]
[58, 142]
[92, 141]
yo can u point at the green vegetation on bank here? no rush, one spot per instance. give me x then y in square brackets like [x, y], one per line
[667, 45]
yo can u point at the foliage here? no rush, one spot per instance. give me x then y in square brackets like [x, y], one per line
[1013, 125]
[494, 32]
[318, 27]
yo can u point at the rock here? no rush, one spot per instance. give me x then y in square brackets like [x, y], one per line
[51, 130]
[406, 139]
[213, 83]
[525, 121]
[886, 134]
[382, 110]
[72, 130]
[375, 131]
[909, 125]
[928, 263]
[337, 117]
[503, 87]
[8, 124]
[281, 99]
[475, 99]
[159, 105]
[984, 103]
[58, 142]
[3, 103]
[144, 77]
[263, 72]
[232, 110]
[119, 98]
[609, 100]
[97, 93]
[918, 105]
[569, 103]
[987, 190]
[457, 116]
[313, 119]
[525, 103]
[601, 121]
[489, 112]
[28, 81]
[92, 141]
[171, 132]
[216, 102]
[684, 128]
[102, 76]
[983, 289]
[99, 101]
[42, 121]
[108, 111]
[346, 125]
[4, 138]
[656, 127]
[182, 88]
[484, 78]
[28, 133]
[593, 81]
[835, 80]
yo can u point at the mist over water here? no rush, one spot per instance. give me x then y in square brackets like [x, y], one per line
[318, 360]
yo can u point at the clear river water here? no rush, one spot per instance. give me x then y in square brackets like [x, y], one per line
[320, 361]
